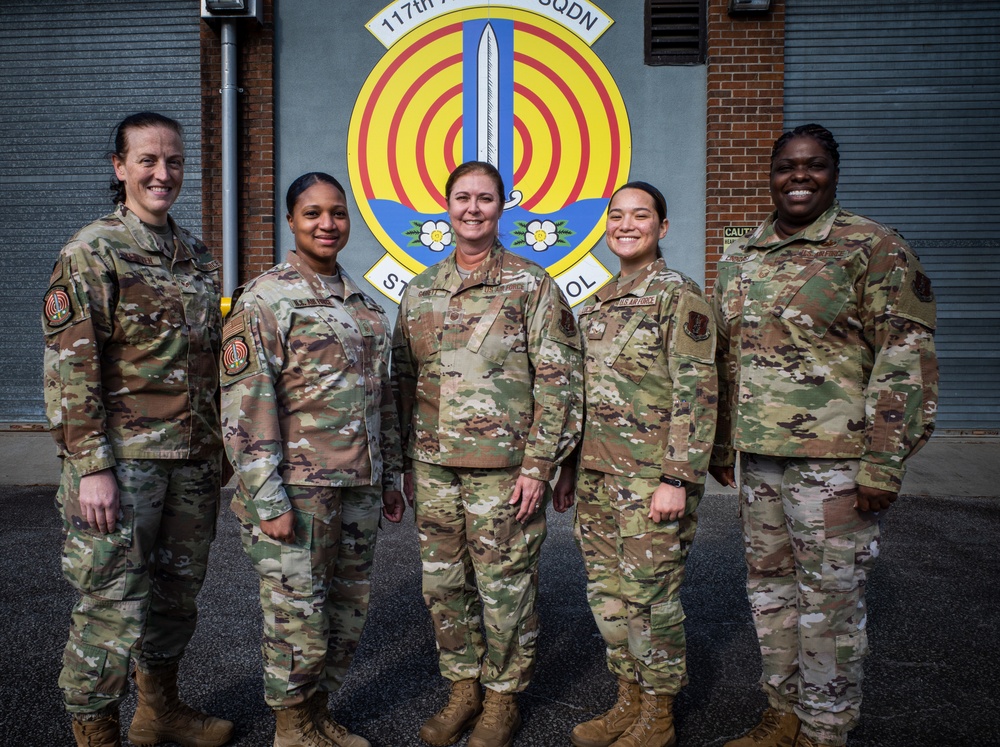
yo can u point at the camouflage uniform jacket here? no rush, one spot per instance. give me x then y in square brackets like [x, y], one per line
[306, 398]
[131, 346]
[826, 346]
[649, 376]
[488, 371]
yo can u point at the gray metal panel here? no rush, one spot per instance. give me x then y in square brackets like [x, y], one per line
[911, 90]
[69, 71]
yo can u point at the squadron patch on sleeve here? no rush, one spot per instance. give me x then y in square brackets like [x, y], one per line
[239, 351]
[235, 356]
[58, 306]
[567, 322]
[696, 327]
[922, 287]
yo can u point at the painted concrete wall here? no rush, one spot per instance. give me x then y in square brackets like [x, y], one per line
[324, 53]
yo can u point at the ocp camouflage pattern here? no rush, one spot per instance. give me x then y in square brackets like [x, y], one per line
[306, 398]
[650, 381]
[131, 346]
[826, 346]
[488, 371]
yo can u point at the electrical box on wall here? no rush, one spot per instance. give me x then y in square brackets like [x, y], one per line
[232, 9]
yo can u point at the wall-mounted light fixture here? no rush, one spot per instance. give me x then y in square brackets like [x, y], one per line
[218, 9]
[749, 6]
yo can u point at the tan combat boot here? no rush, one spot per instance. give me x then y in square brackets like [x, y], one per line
[294, 727]
[98, 732]
[330, 729]
[162, 717]
[776, 729]
[804, 740]
[465, 703]
[606, 728]
[655, 725]
[499, 722]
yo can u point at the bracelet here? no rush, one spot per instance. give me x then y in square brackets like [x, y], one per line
[671, 481]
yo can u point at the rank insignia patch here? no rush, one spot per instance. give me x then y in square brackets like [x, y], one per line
[58, 307]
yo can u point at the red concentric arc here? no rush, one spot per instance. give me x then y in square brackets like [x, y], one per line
[450, 138]
[527, 149]
[376, 93]
[425, 125]
[581, 121]
[397, 119]
[609, 109]
[550, 121]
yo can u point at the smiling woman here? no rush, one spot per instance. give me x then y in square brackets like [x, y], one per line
[132, 329]
[310, 427]
[828, 384]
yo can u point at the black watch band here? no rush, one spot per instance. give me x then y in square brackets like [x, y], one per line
[671, 481]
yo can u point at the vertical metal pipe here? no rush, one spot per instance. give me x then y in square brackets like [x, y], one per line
[230, 194]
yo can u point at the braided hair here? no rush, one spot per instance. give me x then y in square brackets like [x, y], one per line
[818, 133]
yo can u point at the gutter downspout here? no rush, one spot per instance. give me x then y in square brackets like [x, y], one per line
[230, 197]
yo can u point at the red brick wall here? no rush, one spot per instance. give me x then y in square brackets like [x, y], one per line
[255, 149]
[745, 103]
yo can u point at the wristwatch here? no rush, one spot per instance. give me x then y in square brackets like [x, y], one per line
[666, 480]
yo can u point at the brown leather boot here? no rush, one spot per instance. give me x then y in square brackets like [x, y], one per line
[162, 717]
[98, 732]
[655, 725]
[330, 729]
[294, 727]
[606, 728]
[465, 703]
[776, 729]
[804, 740]
[499, 723]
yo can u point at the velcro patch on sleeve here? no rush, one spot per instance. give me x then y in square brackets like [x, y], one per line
[695, 337]
[239, 357]
[916, 300]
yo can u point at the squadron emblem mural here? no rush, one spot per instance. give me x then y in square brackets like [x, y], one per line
[514, 83]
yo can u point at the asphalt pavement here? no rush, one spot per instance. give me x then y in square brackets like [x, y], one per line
[931, 678]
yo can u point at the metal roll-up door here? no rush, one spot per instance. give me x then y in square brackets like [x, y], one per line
[911, 90]
[69, 71]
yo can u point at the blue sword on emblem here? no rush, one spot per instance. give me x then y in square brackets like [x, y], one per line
[488, 106]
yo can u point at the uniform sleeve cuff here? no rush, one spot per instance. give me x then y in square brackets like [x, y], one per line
[91, 461]
[879, 476]
[271, 505]
[538, 469]
[723, 456]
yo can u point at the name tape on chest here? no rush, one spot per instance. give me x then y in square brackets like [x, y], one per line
[633, 301]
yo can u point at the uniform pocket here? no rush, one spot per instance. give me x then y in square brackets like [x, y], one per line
[814, 298]
[852, 646]
[97, 564]
[499, 330]
[640, 345]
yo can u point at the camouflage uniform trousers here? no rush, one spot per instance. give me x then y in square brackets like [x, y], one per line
[137, 584]
[314, 594]
[635, 568]
[809, 552]
[479, 564]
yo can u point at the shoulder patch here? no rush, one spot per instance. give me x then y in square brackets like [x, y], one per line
[696, 327]
[695, 334]
[58, 306]
[915, 300]
[239, 357]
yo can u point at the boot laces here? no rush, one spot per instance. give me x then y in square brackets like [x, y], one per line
[493, 712]
[457, 700]
[770, 722]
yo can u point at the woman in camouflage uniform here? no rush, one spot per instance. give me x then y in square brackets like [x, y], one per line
[828, 384]
[650, 385]
[132, 326]
[486, 362]
[310, 426]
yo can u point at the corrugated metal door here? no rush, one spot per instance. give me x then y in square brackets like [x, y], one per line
[69, 71]
[911, 90]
